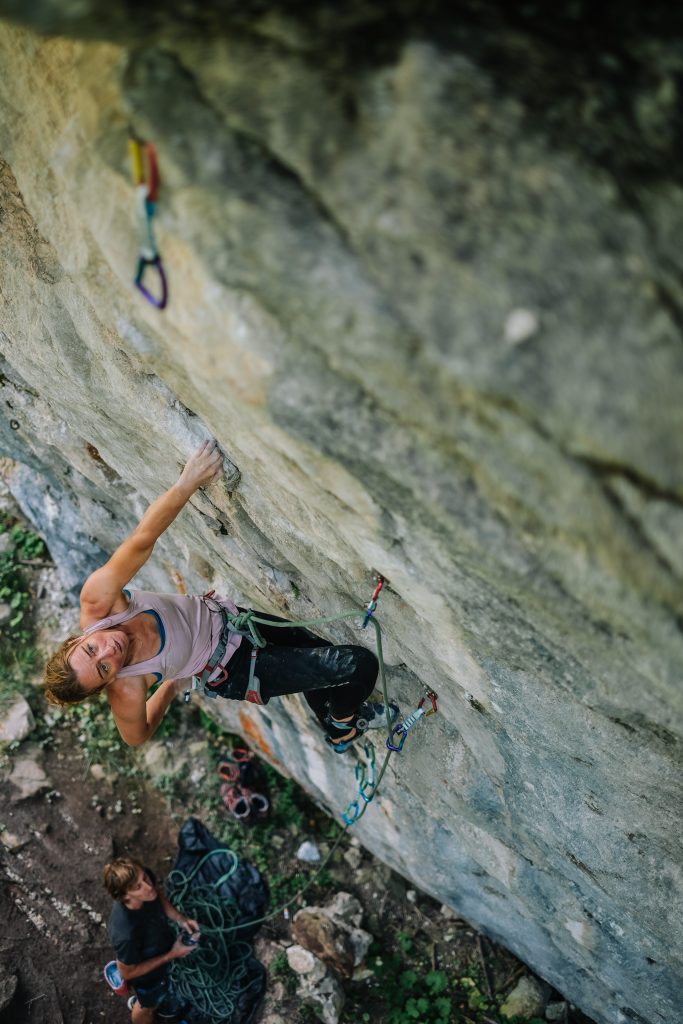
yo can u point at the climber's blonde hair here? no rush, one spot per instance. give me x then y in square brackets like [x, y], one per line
[61, 686]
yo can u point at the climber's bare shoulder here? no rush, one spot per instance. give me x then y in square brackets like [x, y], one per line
[99, 600]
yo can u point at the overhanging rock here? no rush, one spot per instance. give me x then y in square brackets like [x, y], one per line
[435, 325]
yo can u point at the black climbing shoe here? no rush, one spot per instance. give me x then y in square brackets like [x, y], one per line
[373, 716]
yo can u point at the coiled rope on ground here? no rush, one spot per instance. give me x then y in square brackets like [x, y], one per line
[215, 977]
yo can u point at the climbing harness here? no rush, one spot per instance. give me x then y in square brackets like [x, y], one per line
[403, 728]
[372, 604]
[146, 177]
[214, 673]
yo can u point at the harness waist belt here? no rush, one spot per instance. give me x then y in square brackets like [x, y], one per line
[214, 677]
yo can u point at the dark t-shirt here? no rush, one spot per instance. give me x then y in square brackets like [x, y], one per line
[139, 935]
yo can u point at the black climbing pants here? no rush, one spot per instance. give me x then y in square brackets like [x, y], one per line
[334, 678]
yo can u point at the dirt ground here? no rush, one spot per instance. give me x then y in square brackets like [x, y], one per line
[54, 908]
[52, 904]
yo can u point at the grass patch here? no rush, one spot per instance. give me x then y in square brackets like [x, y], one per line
[21, 547]
[407, 988]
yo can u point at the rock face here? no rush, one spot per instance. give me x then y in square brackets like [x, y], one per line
[16, 722]
[425, 290]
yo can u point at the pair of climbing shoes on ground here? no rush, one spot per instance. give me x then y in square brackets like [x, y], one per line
[237, 793]
[368, 716]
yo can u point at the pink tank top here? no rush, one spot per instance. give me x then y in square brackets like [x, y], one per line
[189, 628]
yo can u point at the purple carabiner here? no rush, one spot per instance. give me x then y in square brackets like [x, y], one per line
[143, 263]
[398, 729]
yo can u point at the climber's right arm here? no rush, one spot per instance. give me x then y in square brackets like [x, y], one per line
[102, 592]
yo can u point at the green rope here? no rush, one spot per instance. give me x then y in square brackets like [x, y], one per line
[214, 976]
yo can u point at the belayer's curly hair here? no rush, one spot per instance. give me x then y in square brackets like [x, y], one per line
[119, 875]
[60, 683]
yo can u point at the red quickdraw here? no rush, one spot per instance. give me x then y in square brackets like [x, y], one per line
[146, 176]
[372, 604]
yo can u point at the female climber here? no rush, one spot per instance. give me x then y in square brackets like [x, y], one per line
[134, 639]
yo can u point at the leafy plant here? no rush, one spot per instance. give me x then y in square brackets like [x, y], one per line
[17, 652]
[281, 971]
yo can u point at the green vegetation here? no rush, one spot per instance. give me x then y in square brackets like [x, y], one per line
[281, 971]
[409, 989]
[17, 650]
[98, 737]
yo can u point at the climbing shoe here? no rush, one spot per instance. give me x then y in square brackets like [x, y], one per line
[373, 716]
[235, 801]
[340, 746]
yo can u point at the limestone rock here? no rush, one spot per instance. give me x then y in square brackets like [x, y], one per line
[428, 295]
[12, 841]
[8, 986]
[353, 858]
[318, 985]
[308, 852]
[305, 963]
[314, 930]
[28, 778]
[17, 722]
[332, 932]
[345, 909]
[526, 1000]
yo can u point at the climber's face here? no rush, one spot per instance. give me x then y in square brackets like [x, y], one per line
[141, 891]
[99, 656]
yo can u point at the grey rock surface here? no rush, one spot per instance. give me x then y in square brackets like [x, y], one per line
[28, 778]
[318, 984]
[526, 1000]
[16, 722]
[8, 986]
[425, 289]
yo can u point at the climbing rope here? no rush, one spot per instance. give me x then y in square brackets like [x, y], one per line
[365, 780]
[146, 187]
[215, 977]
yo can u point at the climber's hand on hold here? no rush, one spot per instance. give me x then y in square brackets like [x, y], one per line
[202, 467]
[102, 592]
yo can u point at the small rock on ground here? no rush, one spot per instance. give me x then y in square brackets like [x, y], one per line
[18, 722]
[526, 1000]
[8, 986]
[28, 778]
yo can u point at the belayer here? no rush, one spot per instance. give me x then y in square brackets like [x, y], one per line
[142, 937]
[134, 639]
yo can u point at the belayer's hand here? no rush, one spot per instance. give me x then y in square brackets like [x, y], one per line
[201, 468]
[179, 949]
[190, 925]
